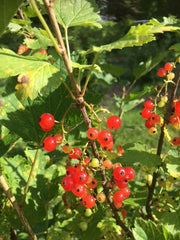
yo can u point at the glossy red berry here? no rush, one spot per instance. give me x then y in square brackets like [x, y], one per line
[155, 118]
[80, 177]
[145, 113]
[119, 173]
[46, 121]
[121, 184]
[89, 201]
[67, 183]
[113, 122]
[79, 190]
[149, 105]
[92, 184]
[92, 133]
[168, 66]
[75, 153]
[70, 171]
[58, 138]
[161, 72]
[105, 137]
[118, 197]
[126, 192]
[148, 124]
[107, 164]
[175, 141]
[130, 173]
[49, 144]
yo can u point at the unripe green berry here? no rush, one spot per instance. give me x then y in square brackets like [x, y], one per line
[88, 212]
[94, 163]
[83, 226]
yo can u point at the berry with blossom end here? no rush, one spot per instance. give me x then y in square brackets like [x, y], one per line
[92, 133]
[119, 173]
[113, 122]
[104, 138]
[89, 201]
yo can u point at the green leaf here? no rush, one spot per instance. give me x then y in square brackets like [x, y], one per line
[136, 154]
[137, 36]
[35, 76]
[146, 67]
[171, 221]
[71, 13]
[146, 230]
[7, 10]
[173, 165]
[116, 71]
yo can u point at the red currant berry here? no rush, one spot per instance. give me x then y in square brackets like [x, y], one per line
[66, 148]
[149, 105]
[101, 197]
[104, 137]
[177, 107]
[126, 192]
[67, 183]
[70, 171]
[79, 190]
[145, 113]
[89, 201]
[92, 184]
[46, 121]
[121, 184]
[168, 66]
[119, 173]
[22, 48]
[118, 205]
[87, 160]
[123, 213]
[148, 124]
[175, 141]
[107, 147]
[161, 72]
[80, 167]
[75, 153]
[92, 133]
[107, 164]
[113, 122]
[42, 51]
[118, 197]
[130, 173]
[58, 138]
[80, 177]
[49, 144]
[155, 118]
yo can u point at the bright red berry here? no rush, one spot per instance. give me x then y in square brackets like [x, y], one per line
[80, 177]
[113, 122]
[175, 141]
[92, 133]
[119, 173]
[49, 144]
[155, 118]
[145, 113]
[130, 173]
[22, 48]
[104, 137]
[126, 192]
[79, 190]
[107, 164]
[149, 105]
[121, 184]
[161, 72]
[89, 201]
[42, 51]
[92, 184]
[168, 66]
[148, 124]
[118, 197]
[75, 153]
[70, 171]
[46, 121]
[67, 183]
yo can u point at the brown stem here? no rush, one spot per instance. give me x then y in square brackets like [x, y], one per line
[13, 201]
[81, 106]
[167, 115]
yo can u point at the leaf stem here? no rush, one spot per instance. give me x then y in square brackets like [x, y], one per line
[34, 6]
[89, 74]
[67, 43]
[29, 178]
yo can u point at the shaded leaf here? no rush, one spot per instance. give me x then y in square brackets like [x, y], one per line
[77, 13]
[96, 68]
[7, 10]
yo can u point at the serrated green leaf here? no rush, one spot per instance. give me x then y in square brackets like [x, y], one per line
[146, 67]
[134, 155]
[71, 13]
[171, 221]
[7, 10]
[137, 36]
[35, 76]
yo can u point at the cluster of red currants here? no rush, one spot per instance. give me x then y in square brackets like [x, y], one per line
[151, 118]
[175, 120]
[166, 71]
[46, 123]
[23, 48]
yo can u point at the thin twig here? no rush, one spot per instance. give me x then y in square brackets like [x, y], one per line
[167, 115]
[13, 201]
